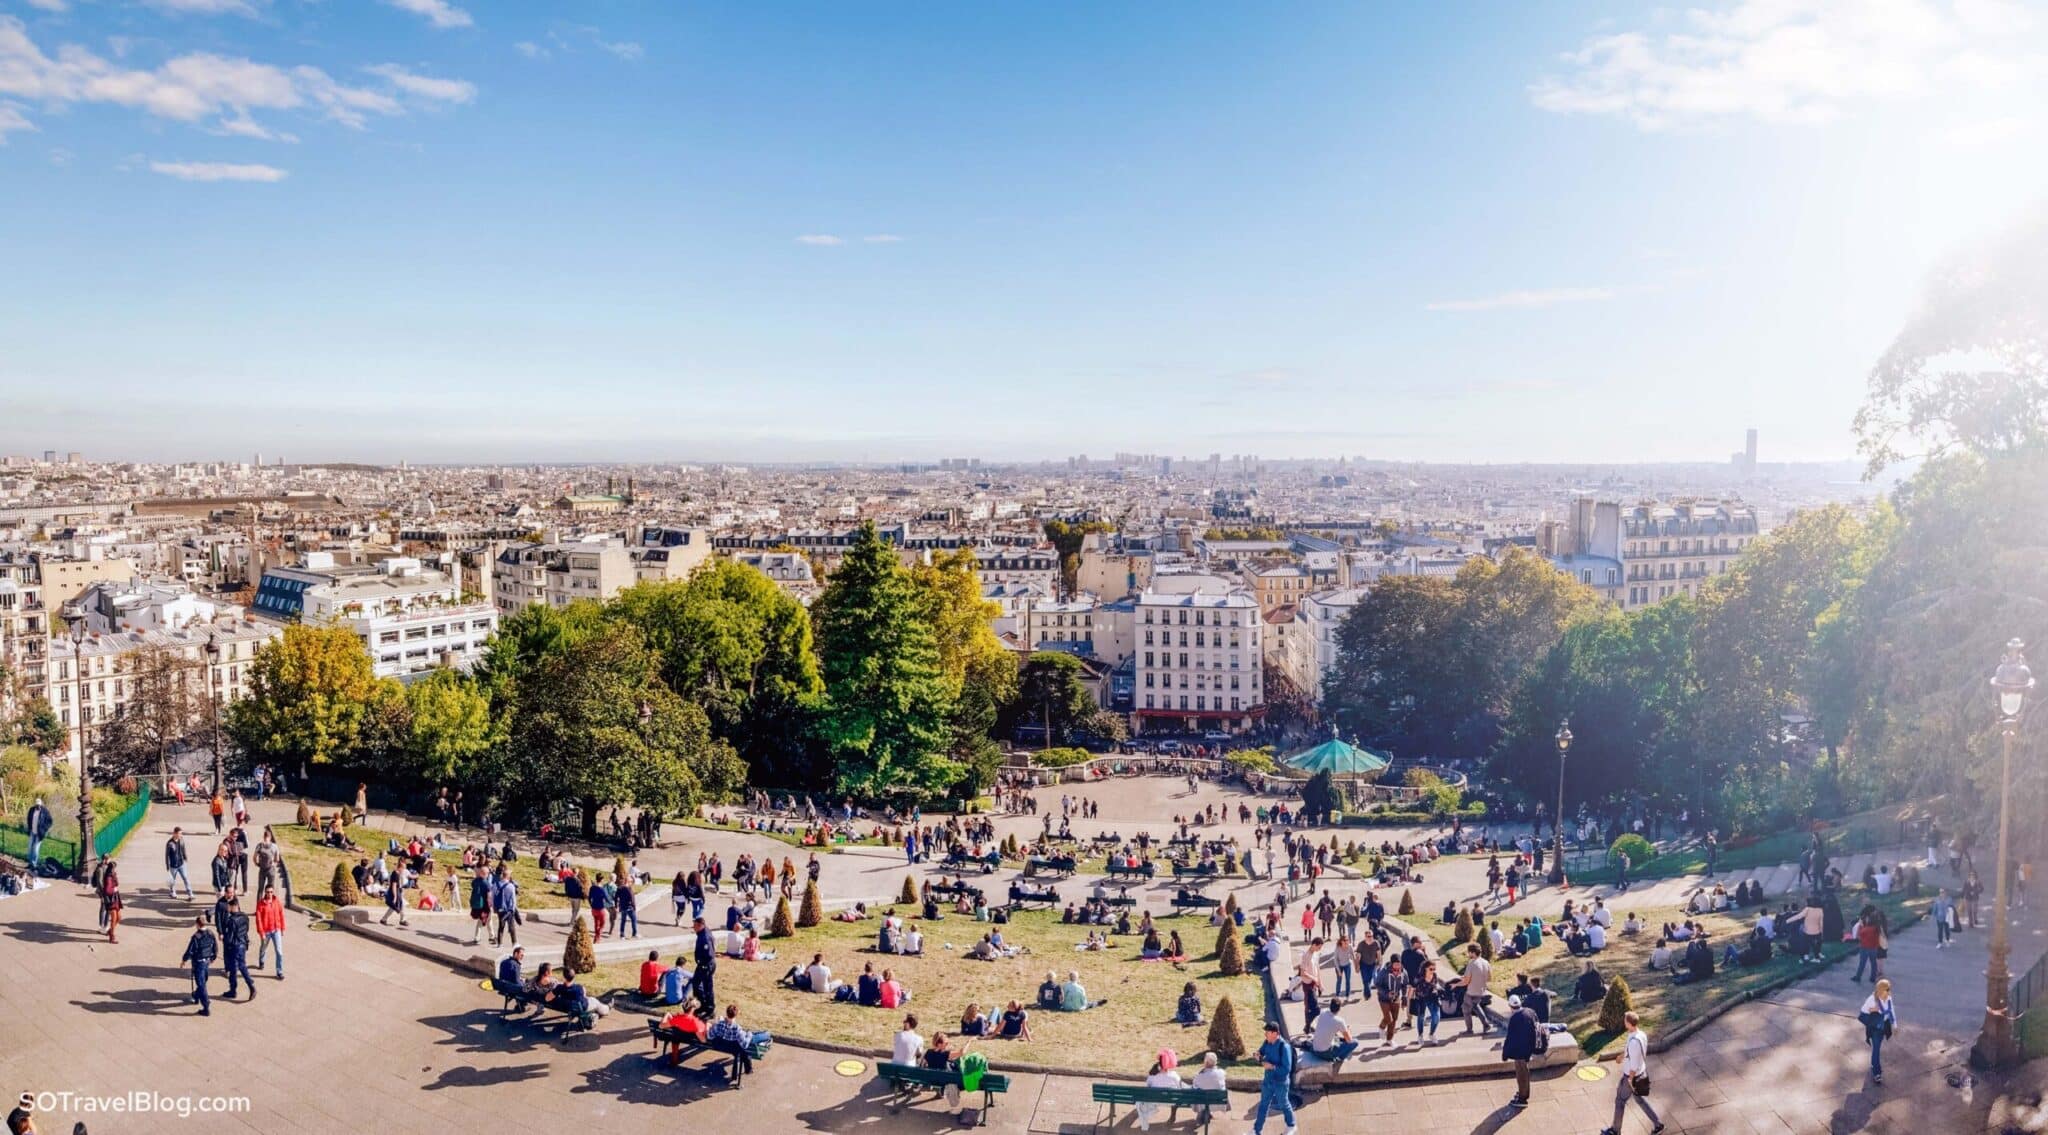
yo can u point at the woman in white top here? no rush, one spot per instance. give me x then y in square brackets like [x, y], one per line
[1163, 1076]
[1878, 1022]
[1635, 1062]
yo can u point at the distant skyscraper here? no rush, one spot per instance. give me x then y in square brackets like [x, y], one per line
[49, 457]
[1749, 451]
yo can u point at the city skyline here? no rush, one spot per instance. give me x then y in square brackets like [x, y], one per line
[442, 232]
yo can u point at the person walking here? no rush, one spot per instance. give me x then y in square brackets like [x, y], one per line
[626, 907]
[702, 982]
[218, 808]
[1879, 1021]
[394, 899]
[1276, 1057]
[110, 901]
[174, 864]
[200, 951]
[1943, 912]
[362, 803]
[505, 903]
[234, 948]
[480, 904]
[1519, 1046]
[1633, 1082]
[39, 823]
[270, 930]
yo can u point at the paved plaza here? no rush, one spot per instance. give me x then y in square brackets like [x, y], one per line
[363, 1037]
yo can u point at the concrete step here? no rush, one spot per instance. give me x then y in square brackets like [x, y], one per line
[1452, 1057]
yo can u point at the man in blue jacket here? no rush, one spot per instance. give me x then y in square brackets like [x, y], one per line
[1276, 1056]
[1520, 1046]
[199, 954]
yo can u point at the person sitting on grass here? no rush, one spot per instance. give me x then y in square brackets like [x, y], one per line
[1188, 1012]
[893, 995]
[1016, 1023]
[675, 983]
[868, 987]
[1049, 992]
[913, 942]
[1591, 986]
[651, 972]
[1074, 997]
[1632, 927]
[973, 1022]
[1153, 949]
[1660, 954]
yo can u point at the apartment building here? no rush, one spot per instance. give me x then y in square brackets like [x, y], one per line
[558, 574]
[1038, 566]
[1070, 622]
[1640, 554]
[1198, 667]
[1277, 585]
[670, 553]
[412, 618]
[24, 630]
[1314, 637]
[92, 681]
[791, 571]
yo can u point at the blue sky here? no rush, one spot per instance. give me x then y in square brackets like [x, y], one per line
[445, 229]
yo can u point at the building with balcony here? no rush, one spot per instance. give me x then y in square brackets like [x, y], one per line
[556, 575]
[411, 617]
[1199, 662]
[93, 681]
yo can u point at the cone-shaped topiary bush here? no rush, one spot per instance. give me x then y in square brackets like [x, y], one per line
[1616, 1003]
[1226, 1039]
[305, 814]
[579, 956]
[814, 907]
[345, 892]
[1407, 903]
[1461, 930]
[619, 875]
[1224, 933]
[909, 895]
[1230, 953]
[784, 923]
[1482, 944]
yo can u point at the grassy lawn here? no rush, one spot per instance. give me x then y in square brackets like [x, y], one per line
[1661, 1003]
[793, 839]
[1864, 831]
[1121, 1036]
[312, 866]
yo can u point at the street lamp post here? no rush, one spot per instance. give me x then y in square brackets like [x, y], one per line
[2013, 682]
[213, 709]
[1564, 744]
[78, 869]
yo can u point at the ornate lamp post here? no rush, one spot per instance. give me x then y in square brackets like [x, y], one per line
[2013, 681]
[79, 870]
[1564, 744]
[213, 708]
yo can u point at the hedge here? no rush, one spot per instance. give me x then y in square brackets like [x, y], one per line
[1059, 758]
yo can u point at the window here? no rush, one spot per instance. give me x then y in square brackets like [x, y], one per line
[1148, 701]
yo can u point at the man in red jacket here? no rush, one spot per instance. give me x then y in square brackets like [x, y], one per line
[270, 929]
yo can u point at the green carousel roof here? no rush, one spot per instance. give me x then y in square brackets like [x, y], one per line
[1338, 758]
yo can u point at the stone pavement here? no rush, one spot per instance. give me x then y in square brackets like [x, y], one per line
[363, 1038]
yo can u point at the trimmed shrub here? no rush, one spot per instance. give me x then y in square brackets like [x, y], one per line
[619, 874]
[1615, 1005]
[1635, 847]
[1461, 931]
[1407, 902]
[579, 956]
[909, 895]
[344, 891]
[814, 907]
[306, 817]
[784, 923]
[125, 786]
[1482, 944]
[1226, 1039]
[1230, 953]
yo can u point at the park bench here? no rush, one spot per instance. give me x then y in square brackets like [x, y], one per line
[1141, 870]
[910, 1081]
[960, 859]
[1196, 869]
[1188, 900]
[1023, 895]
[677, 1045]
[581, 1022]
[1054, 865]
[1206, 1100]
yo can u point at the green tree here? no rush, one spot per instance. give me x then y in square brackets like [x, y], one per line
[1053, 693]
[980, 672]
[740, 646]
[451, 726]
[1066, 538]
[308, 693]
[593, 722]
[888, 705]
[39, 727]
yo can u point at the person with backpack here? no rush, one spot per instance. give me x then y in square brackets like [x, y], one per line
[1391, 987]
[39, 823]
[1879, 1021]
[1633, 1080]
[1520, 1046]
[1276, 1081]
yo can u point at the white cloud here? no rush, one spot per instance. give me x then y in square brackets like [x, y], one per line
[49, 5]
[13, 121]
[530, 49]
[1793, 61]
[243, 126]
[882, 238]
[204, 7]
[821, 240]
[1542, 297]
[425, 86]
[439, 13]
[218, 171]
[629, 51]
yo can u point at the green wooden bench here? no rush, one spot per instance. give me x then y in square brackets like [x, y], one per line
[910, 1081]
[1207, 1100]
